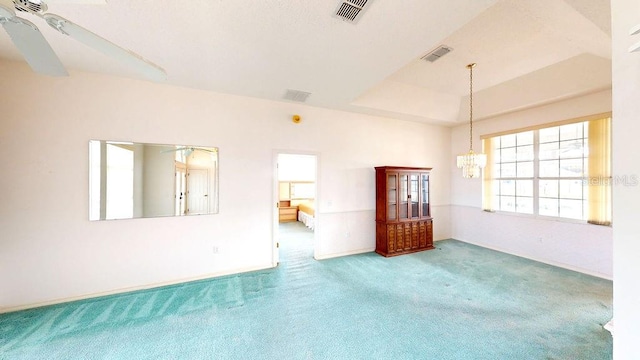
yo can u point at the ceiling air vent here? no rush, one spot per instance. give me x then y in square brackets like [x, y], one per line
[296, 95]
[351, 10]
[35, 6]
[436, 54]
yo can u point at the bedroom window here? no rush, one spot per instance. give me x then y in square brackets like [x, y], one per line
[558, 171]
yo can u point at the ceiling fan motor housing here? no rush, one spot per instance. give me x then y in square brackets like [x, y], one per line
[36, 6]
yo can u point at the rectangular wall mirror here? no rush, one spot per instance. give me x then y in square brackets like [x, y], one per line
[136, 180]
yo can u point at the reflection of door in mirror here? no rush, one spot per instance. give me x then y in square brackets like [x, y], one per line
[181, 189]
[198, 191]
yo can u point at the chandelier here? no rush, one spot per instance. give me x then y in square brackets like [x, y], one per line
[471, 163]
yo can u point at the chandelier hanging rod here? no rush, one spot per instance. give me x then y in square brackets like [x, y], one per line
[470, 67]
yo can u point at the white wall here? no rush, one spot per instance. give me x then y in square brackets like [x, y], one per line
[49, 251]
[626, 199]
[581, 247]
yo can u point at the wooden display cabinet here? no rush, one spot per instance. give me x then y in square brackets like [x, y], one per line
[403, 214]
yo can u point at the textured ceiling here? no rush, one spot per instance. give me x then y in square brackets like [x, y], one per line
[528, 52]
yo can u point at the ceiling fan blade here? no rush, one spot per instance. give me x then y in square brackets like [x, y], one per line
[33, 46]
[173, 150]
[135, 61]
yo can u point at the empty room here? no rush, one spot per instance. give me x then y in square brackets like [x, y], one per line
[465, 190]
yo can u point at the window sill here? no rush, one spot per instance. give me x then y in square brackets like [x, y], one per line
[542, 217]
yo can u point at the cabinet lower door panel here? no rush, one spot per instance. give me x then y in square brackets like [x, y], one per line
[423, 235]
[404, 237]
[414, 235]
[407, 237]
[391, 239]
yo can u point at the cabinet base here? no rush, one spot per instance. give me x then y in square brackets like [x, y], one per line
[404, 252]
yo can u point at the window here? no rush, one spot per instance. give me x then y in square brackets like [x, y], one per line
[548, 171]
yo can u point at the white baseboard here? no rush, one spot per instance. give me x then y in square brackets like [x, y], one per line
[552, 263]
[9, 309]
[347, 253]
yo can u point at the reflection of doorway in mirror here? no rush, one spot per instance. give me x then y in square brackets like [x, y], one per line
[181, 189]
[198, 191]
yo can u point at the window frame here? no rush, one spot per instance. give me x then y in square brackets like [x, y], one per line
[536, 179]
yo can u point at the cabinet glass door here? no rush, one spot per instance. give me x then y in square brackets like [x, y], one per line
[424, 184]
[392, 196]
[404, 197]
[415, 195]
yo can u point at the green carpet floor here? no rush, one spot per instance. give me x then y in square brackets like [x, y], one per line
[457, 301]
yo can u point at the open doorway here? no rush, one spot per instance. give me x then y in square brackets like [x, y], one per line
[295, 215]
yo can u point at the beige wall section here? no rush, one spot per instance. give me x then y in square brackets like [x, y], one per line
[626, 199]
[581, 247]
[49, 251]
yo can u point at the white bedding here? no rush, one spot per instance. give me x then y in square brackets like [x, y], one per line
[306, 219]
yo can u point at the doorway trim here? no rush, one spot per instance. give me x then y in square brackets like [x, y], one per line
[275, 202]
